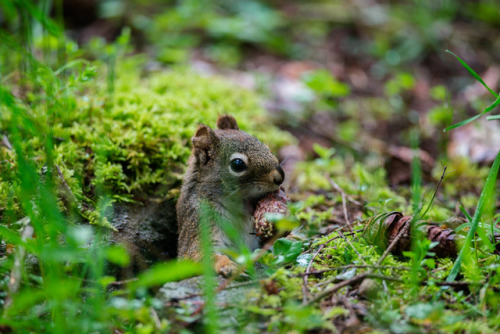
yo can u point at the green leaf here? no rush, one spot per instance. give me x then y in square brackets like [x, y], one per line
[168, 272]
[286, 224]
[485, 239]
[286, 250]
[106, 280]
[118, 255]
[492, 106]
[487, 109]
[423, 310]
[461, 227]
[323, 82]
[473, 73]
[462, 123]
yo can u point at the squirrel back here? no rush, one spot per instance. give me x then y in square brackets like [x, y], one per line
[229, 171]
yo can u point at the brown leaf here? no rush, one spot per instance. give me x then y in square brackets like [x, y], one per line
[383, 228]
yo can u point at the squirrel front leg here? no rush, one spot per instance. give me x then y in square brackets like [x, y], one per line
[224, 266]
[190, 247]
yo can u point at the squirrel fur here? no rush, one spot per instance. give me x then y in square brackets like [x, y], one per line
[229, 171]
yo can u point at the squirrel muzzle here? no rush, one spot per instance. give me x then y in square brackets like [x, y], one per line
[278, 175]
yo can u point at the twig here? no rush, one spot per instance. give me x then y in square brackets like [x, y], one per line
[341, 191]
[427, 282]
[70, 197]
[349, 266]
[435, 192]
[361, 276]
[393, 243]
[305, 289]
[385, 278]
[15, 275]
[339, 286]
[352, 246]
[344, 205]
[7, 143]
[457, 283]
[156, 318]
[123, 282]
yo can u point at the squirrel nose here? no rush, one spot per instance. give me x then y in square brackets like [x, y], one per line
[279, 175]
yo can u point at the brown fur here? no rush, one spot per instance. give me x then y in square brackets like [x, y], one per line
[209, 179]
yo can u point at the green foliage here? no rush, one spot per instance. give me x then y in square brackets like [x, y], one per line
[402, 82]
[480, 80]
[167, 272]
[323, 83]
[139, 146]
[286, 250]
[487, 193]
[227, 25]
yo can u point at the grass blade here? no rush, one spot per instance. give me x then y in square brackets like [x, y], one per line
[486, 110]
[488, 191]
[473, 73]
[480, 80]
[462, 123]
[492, 106]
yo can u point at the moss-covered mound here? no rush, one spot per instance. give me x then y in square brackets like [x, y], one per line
[127, 135]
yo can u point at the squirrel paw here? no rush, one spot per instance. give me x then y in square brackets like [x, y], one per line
[224, 266]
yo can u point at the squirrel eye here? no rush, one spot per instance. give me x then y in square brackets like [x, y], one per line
[238, 165]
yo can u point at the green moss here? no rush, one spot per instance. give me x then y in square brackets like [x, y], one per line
[135, 144]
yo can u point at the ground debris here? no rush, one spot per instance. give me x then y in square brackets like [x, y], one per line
[383, 228]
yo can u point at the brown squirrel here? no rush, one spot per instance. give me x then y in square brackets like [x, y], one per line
[229, 171]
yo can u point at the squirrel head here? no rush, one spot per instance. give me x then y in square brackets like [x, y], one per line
[239, 162]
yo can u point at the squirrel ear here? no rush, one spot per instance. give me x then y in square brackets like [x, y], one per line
[227, 122]
[204, 139]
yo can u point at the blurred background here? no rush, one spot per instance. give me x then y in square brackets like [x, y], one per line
[353, 73]
[342, 72]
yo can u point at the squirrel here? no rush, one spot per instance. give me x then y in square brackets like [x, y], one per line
[229, 171]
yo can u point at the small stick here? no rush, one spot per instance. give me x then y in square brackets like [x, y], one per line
[122, 282]
[156, 318]
[435, 192]
[15, 275]
[341, 191]
[344, 205]
[352, 246]
[7, 143]
[339, 286]
[305, 289]
[70, 197]
[349, 266]
[385, 278]
[361, 276]
[393, 243]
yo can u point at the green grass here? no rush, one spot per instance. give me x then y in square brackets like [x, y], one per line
[480, 80]
[487, 195]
